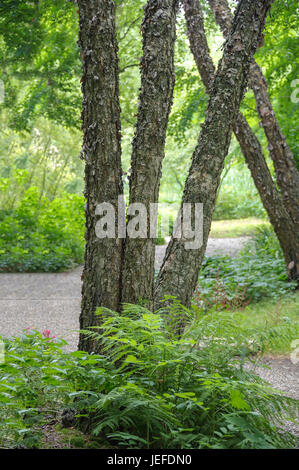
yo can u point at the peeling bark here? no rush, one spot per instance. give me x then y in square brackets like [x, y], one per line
[179, 272]
[286, 172]
[102, 154]
[155, 100]
[250, 146]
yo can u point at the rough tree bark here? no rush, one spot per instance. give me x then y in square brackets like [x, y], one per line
[286, 172]
[102, 154]
[250, 146]
[282, 223]
[287, 175]
[155, 100]
[179, 272]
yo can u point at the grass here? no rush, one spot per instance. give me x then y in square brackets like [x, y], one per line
[235, 228]
[277, 315]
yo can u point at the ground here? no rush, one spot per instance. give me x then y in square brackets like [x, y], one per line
[52, 301]
[283, 375]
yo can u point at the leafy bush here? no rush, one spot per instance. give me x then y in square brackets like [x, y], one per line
[35, 385]
[248, 278]
[42, 235]
[258, 272]
[149, 389]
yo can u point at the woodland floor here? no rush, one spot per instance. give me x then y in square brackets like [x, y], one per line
[52, 301]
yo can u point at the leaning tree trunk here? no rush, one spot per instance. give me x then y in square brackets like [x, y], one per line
[250, 146]
[282, 223]
[286, 171]
[102, 155]
[155, 100]
[179, 272]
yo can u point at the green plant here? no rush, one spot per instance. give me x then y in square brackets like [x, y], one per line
[37, 380]
[238, 197]
[258, 272]
[148, 389]
[265, 241]
[42, 235]
[191, 392]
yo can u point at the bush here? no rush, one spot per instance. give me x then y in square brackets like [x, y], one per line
[42, 235]
[259, 272]
[149, 389]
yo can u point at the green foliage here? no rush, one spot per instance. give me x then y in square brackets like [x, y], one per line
[42, 235]
[39, 233]
[35, 385]
[266, 241]
[278, 58]
[259, 272]
[149, 389]
[38, 46]
[252, 276]
[180, 393]
[47, 159]
[238, 197]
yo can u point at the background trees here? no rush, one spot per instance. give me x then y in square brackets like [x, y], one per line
[281, 216]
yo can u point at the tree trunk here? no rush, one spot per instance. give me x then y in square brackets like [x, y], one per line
[155, 100]
[250, 146]
[287, 174]
[102, 155]
[286, 171]
[279, 216]
[179, 272]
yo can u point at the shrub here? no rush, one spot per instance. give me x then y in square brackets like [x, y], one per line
[258, 272]
[266, 242]
[189, 392]
[149, 389]
[42, 235]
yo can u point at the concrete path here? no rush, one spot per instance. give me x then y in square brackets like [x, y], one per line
[52, 300]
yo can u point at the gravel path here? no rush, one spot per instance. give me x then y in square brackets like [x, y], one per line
[283, 375]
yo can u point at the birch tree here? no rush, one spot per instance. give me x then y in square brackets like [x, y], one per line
[278, 214]
[121, 269]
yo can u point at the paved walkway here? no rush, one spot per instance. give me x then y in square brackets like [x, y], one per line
[52, 300]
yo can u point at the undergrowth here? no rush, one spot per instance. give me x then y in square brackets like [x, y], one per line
[42, 235]
[148, 388]
[257, 273]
